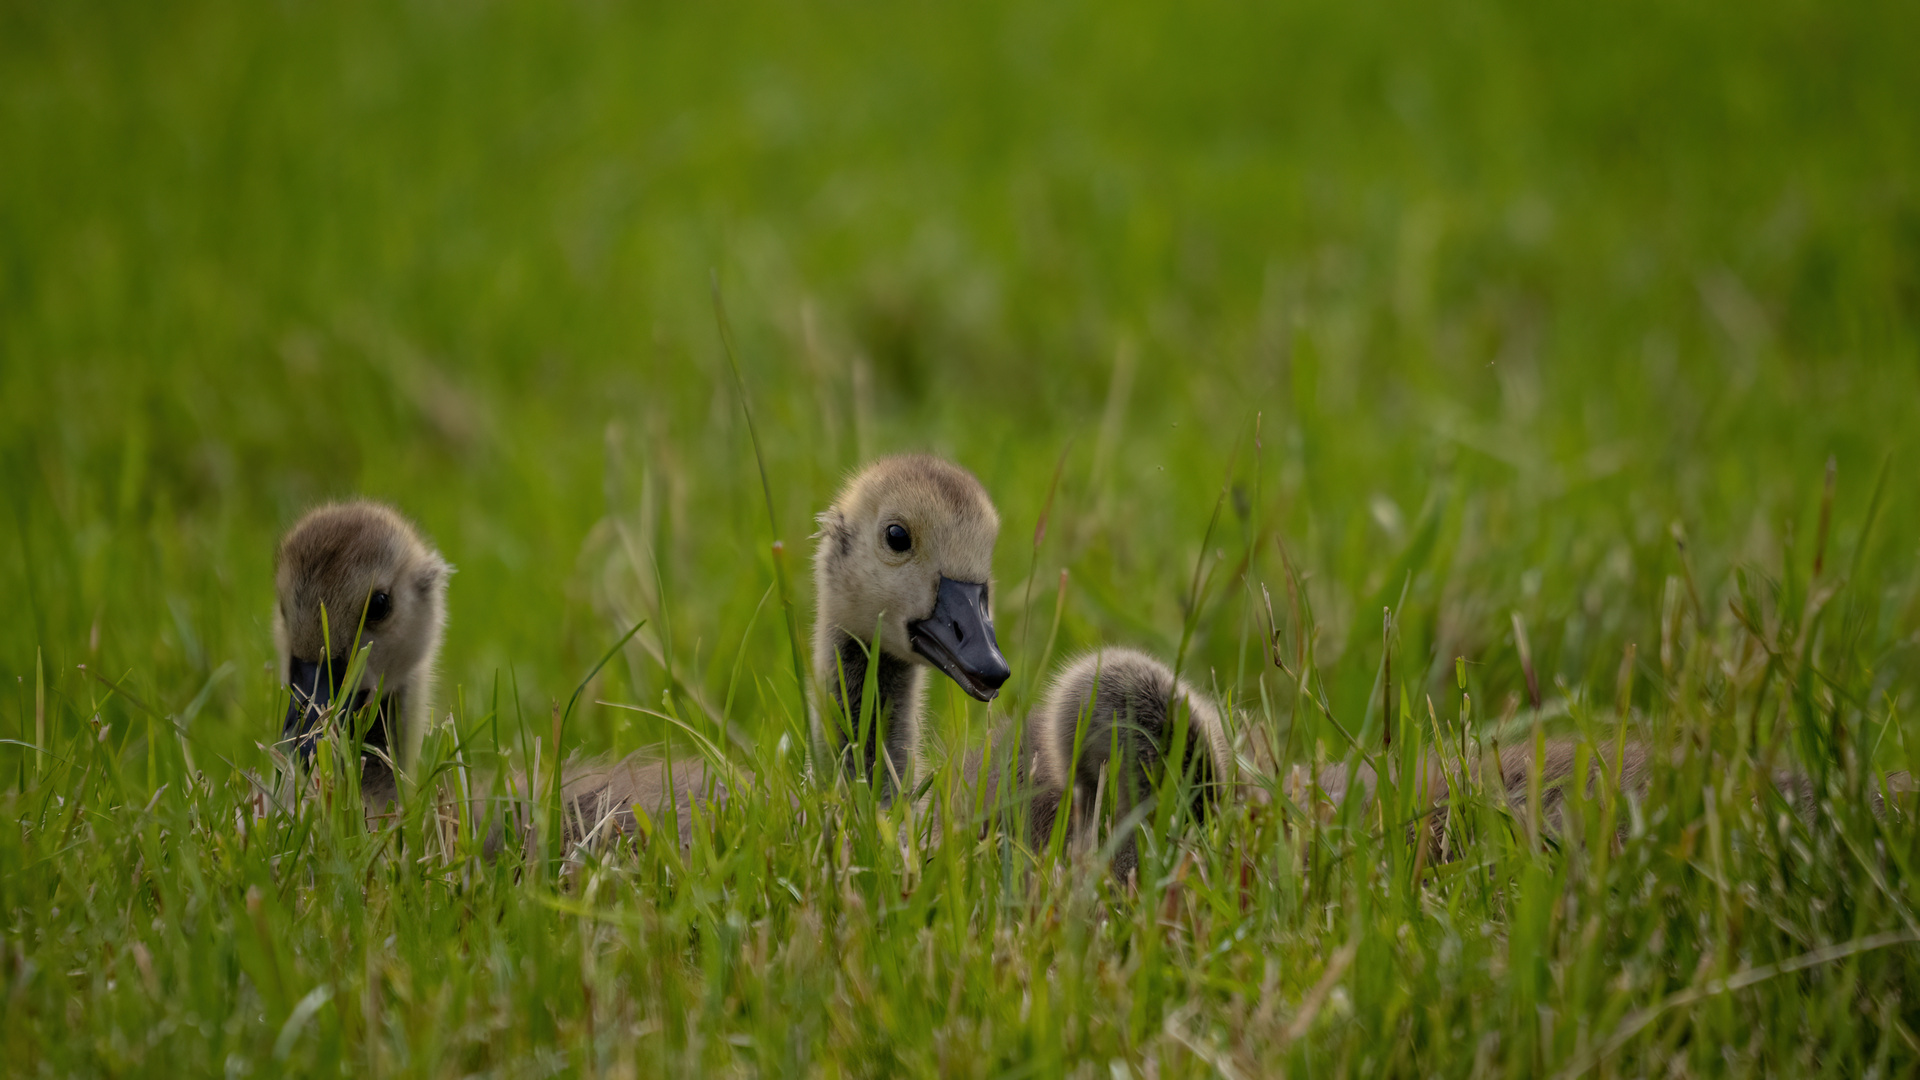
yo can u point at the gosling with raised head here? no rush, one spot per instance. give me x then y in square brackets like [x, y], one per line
[906, 550]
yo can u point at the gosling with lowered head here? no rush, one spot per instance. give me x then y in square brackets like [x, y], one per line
[358, 575]
[1127, 700]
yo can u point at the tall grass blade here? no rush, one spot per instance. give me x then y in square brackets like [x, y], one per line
[766, 487]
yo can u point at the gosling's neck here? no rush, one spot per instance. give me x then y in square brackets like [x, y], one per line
[378, 724]
[389, 736]
[898, 684]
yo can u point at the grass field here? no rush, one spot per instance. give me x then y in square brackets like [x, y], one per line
[1586, 338]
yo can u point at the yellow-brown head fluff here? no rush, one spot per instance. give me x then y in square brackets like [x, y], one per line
[350, 574]
[903, 574]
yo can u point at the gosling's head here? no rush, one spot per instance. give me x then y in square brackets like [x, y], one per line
[352, 573]
[908, 547]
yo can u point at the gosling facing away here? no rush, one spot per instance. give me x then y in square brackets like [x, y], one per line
[1123, 701]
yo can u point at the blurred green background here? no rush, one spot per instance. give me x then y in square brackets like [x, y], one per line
[1507, 290]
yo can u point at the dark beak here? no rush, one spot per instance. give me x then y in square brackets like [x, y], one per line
[958, 638]
[311, 693]
[314, 685]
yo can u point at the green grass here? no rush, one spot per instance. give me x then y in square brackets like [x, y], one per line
[1473, 309]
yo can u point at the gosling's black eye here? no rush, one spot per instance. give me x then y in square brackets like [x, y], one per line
[897, 538]
[378, 607]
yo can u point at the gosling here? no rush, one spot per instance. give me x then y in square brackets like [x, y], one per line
[350, 575]
[903, 579]
[905, 548]
[1125, 702]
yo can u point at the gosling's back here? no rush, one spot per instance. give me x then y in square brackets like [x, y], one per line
[1124, 702]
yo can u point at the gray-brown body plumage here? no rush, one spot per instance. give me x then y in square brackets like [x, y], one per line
[1507, 777]
[598, 799]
